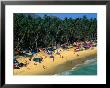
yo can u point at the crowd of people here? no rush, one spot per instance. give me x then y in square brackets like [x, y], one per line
[84, 45]
[50, 52]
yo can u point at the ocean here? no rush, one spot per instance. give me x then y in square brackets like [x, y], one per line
[89, 67]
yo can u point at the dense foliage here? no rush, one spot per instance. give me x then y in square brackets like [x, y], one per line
[33, 31]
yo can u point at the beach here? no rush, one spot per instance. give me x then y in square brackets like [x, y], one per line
[60, 64]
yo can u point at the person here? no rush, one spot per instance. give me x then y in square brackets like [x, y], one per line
[21, 64]
[52, 57]
[15, 66]
[77, 48]
[35, 63]
[41, 59]
[30, 59]
[26, 63]
[77, 54]
[57, 52]
[50, 52]
[44, 67]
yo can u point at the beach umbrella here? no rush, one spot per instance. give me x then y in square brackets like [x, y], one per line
[50, 49]
[34, 51]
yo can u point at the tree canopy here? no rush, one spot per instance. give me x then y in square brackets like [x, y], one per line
[33, 31]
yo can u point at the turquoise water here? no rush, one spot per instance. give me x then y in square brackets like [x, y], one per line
[88, 68]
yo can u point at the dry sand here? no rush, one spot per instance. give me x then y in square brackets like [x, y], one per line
[48, 67]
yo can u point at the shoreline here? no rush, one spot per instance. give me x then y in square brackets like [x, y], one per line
[70, 60]
[75, 64]
[80, 68]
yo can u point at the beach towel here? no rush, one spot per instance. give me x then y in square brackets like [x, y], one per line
[37, 60]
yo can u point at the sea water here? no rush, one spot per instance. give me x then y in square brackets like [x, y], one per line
[89, 67]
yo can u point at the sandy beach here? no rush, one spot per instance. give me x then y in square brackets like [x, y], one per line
[48, 67]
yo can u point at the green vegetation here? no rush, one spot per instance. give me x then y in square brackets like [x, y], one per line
[39, 32]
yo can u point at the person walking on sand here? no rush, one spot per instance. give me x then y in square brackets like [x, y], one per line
[62, 57]
[44, 67]
[52, 57]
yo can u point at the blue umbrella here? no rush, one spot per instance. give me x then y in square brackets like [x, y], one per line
[34, 51]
